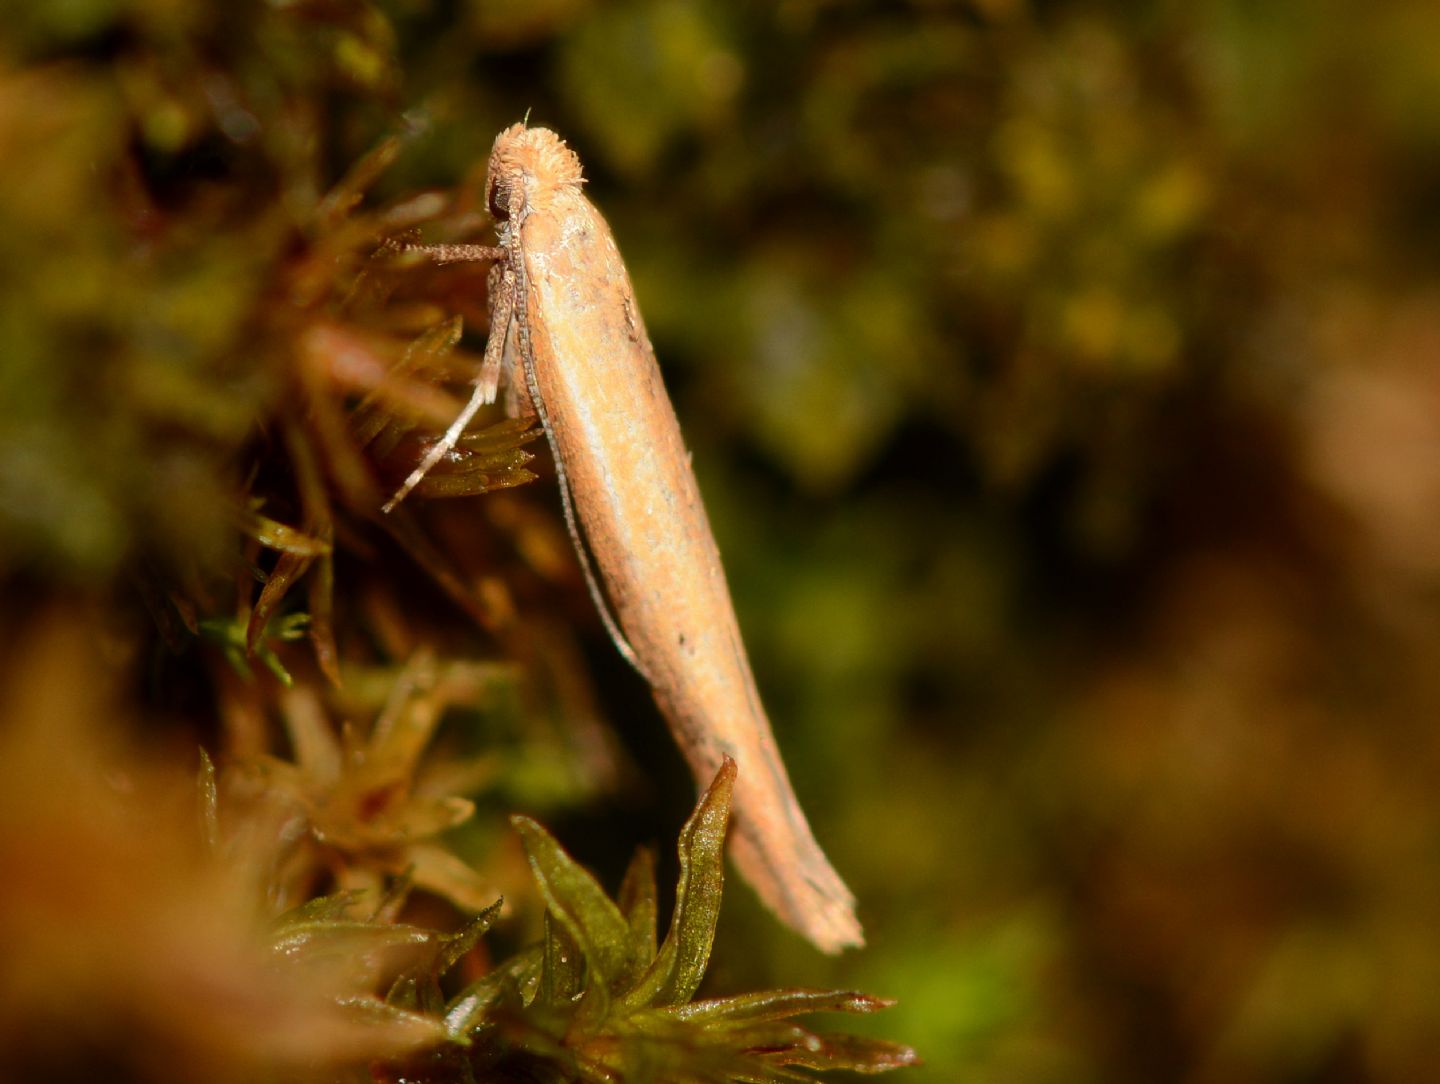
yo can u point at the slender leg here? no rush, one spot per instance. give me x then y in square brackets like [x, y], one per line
[498, 356]
[487, 382]
[443, 254]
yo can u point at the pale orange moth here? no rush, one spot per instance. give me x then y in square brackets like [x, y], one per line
[563, 309]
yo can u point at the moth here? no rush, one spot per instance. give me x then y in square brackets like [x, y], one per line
[567, 339]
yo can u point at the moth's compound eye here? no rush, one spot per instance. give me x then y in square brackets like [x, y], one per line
[499, 199]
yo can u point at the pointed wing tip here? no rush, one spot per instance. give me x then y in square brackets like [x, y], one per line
[832, 934]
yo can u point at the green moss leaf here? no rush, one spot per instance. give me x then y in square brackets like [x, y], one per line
[419, 987]
[562, 970]
[677, 970]
[470, 1010]
[637, 904]
[780, 1004]
[577, 903]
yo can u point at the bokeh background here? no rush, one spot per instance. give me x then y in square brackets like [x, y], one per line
[1064, 382]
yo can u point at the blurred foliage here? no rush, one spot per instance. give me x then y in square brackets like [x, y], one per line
[159, 935]
[1061, 378]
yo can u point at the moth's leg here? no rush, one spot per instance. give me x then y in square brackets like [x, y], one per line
[444, 254]
[488, 379]
[500, 293]
[518, 402]
[439, 448]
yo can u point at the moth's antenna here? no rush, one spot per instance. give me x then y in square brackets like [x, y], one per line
[525, 121]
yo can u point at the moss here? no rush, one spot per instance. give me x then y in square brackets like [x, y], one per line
[219, 363]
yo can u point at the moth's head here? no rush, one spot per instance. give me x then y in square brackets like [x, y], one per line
[531, 162]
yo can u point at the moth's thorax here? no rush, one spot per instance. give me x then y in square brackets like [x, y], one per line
[533, 160]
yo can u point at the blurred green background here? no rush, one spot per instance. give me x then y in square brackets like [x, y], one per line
[1064, 382]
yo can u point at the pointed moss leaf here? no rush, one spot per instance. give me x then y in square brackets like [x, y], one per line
[288, 569]
[466, 461]
[468, 1009]
[468, 1012]
[346, 195]
[656, 1047]
[392, 902]
[419, 987]
[428, 351]
[374, 1013]
[446, 874]
[277, 536]
[474, 483]
[577, 902]
[508, 433]
[467, 937]
[772, 1050]
[321, 909]
[424, 353]
[562, 973]
[351, 956]
[409, 718]
[527, 978]
[779, 1004]
[637, 904]
[409, 994]
[849, 1052]
[339, 938]
[420, 817]
[676, 973]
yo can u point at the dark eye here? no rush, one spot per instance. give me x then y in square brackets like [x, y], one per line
[499, 200]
